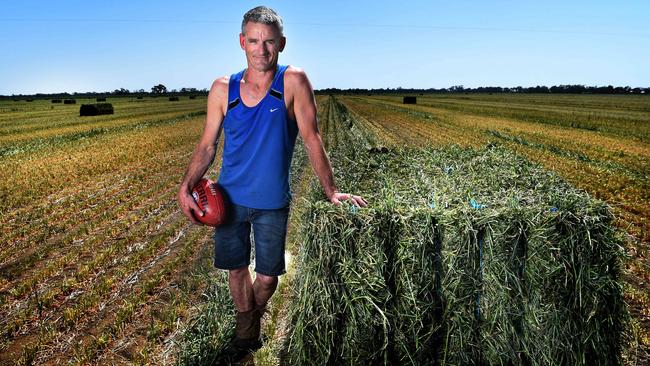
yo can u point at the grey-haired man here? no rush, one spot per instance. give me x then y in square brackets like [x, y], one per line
[261, 110]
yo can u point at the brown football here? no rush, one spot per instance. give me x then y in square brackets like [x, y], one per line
[208, 196]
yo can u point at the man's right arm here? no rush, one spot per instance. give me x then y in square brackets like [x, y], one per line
[205, 150]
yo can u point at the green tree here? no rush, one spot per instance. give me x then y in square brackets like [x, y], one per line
[159, 89]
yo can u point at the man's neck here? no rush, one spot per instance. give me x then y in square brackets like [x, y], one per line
[259, 79]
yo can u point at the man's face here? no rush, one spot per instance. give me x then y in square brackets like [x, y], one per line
[262, 44]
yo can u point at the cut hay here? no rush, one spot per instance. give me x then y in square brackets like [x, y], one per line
[70, 101]
[95, 109]
[56, 100]
[409, 100]
[338, 315]
[470, 256]
[173, 99]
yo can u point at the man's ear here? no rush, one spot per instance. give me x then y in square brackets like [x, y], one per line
[242, 41]
[283, 42]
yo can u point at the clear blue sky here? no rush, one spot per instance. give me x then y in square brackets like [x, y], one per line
[66, 45]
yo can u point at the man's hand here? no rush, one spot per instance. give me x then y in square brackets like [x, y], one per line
[356, 200]
[188, 205]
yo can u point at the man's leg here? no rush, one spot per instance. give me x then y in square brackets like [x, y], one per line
[247, 329]
[232, 252]
[269, 228]
[263, 288]
[241, 289]
[250, 302]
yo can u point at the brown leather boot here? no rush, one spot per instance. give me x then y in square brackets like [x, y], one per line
[247, 329]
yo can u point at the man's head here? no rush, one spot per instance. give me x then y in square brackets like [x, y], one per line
[262, 15]
[261, 38]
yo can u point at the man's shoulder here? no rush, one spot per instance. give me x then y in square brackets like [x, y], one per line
[221, 83]
[220, 86]
[295, 72]
[295, 77]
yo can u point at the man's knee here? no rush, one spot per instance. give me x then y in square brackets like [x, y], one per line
[239, 273]
[266, 281]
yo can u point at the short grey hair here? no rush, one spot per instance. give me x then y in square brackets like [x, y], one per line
[264, 15]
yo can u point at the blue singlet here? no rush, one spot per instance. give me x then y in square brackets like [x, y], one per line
[258, 147]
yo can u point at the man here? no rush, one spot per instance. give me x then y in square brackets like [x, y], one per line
[261, 110]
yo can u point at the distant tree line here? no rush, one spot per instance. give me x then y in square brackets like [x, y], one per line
[557, 89]
[159, 89]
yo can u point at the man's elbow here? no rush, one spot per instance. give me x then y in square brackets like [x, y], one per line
[206, 150]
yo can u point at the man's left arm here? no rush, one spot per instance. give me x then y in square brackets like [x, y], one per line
[304, 107]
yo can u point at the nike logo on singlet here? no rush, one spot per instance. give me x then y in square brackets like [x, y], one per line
[273, 110]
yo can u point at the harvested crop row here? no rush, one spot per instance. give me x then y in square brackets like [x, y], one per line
[94, 331]
[61, 168]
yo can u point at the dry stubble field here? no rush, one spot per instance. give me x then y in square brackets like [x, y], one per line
[98, 265]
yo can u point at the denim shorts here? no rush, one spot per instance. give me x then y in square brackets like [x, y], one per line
[232, 239]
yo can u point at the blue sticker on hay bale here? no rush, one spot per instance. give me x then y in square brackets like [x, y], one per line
[476, 205]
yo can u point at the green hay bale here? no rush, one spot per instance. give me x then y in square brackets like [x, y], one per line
[56, 100]
[576, 311]
[522, 318]
[101, 99]
[460, 287]
[315, 311]
[173, 99]
[192, 96]
[489, 259]
[70, 101]
[503, 293]
[417, 307]
[337, 316]
[138, 98]
[96, 109]
[366, 291]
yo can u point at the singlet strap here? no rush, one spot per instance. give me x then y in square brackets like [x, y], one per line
[277, 87]
[233, 89]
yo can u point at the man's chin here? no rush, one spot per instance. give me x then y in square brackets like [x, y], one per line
[263, 66]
